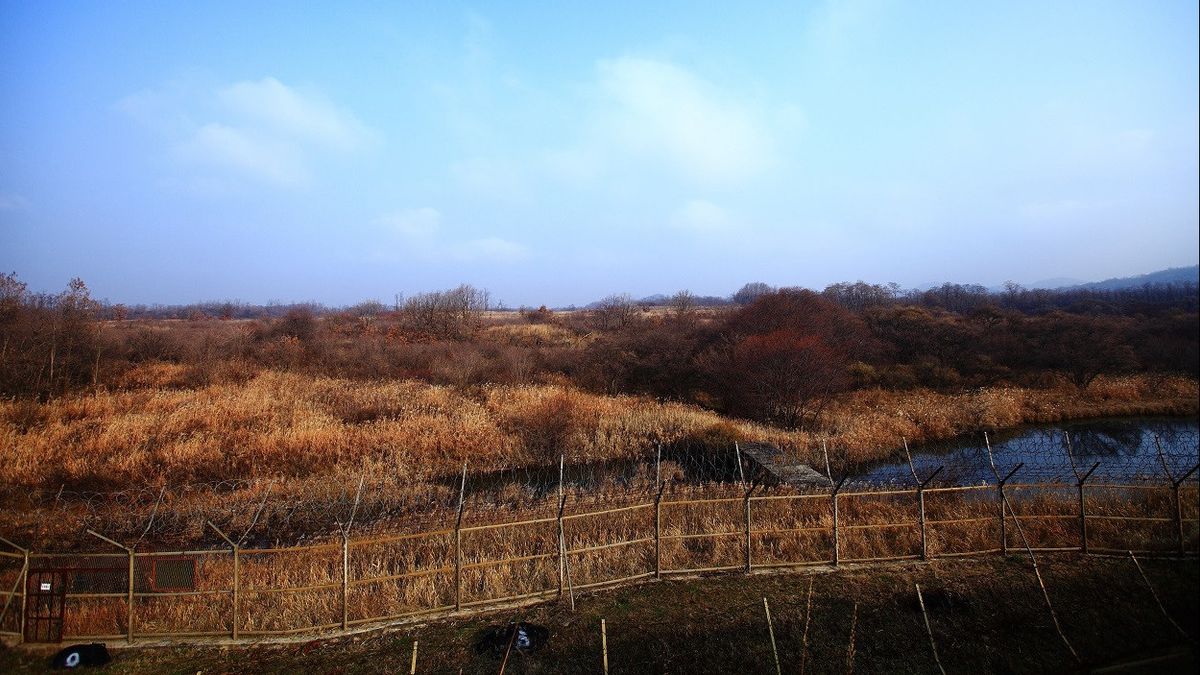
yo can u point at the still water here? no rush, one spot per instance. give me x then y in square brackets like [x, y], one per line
[1125, 449]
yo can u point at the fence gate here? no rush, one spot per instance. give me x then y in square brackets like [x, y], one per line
[45, 600]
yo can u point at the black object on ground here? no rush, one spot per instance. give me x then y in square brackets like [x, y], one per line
[529, 638]
[94, 654]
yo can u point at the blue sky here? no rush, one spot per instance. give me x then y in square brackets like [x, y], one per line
[556, 154]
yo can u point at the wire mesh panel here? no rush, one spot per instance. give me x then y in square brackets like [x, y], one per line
[962, 520]
[509, 560]
[1123, 518]
[703, 534]
[183, 593]
[879, 525]
[12, 579]
[290, 590]
[1046, 515]
[791, 530]
[95, 591]
[606, 545]
[400, 575]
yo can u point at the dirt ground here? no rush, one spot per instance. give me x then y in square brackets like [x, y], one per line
[986, 615]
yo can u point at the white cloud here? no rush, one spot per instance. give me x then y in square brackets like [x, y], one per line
[290, 113]
[262, 130]
[658, 110]
[491, 249]
[12, 202]
[271, 159]
[419, 232]
[414, 223]
[491, 177]
[701, 216]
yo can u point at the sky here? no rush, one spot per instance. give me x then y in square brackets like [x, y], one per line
[556, 153]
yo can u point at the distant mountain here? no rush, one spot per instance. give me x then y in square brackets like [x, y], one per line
[1057, 282]
[1174, 275]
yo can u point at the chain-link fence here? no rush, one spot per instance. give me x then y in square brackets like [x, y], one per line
[479, 541]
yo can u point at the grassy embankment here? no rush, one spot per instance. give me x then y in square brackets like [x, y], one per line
[986, 616]
[315, 435]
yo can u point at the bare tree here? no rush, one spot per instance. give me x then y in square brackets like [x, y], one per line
[453, 315]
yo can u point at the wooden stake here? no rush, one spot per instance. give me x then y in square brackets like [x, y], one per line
[604, 644]
[850, 648]
[516, 628]
[412, 668]
[771, 630]
[929, 630]
[741, 474]
[1158, 602]
[1029, 550]
[807, 621]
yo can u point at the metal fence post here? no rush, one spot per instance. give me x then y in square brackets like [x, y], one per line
[24, 596]
[236, 585]
[658, 533]
[749, 564]
[1003, 499]
[129, 617]
[1179, 505]
[130, 627]
[345, 580]
[836, 540]
[233, 628]
[562, 538]
[462, 493]
[1083, 543]
[23, 580]
[921, 485]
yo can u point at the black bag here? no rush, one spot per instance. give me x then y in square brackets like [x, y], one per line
[94, 654]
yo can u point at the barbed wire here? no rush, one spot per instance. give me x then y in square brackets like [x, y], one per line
[271, 511]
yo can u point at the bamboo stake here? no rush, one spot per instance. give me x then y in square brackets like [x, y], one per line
[1157, 601]
[512, 637]
[1036, 572]
[850, 648]
[807, 620]
[771, 631]
[933, 645]
[604, 644]
[412, 668]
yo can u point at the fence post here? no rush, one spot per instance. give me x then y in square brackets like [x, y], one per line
[1179, 505]
[920, 494]
[1083, 543]
[234, 625]
[345, 579]
[24, 596]
[748, 561]
[462, 492]
[130, 627]
[658, 533]
[129, 617]
[562, 539]
[1003, 529]
[23, 580]
[836, 540]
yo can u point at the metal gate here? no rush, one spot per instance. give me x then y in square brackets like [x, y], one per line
[46, 592]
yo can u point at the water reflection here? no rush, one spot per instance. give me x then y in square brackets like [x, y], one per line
[1124, 450]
